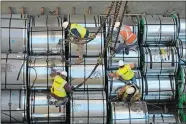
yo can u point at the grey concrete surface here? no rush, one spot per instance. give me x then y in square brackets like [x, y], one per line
[32, 7]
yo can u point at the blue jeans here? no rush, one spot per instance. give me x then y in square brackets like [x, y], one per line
[133, 80]
[124, 46]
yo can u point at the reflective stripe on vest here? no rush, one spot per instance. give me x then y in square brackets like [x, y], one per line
[81, 30]
[126, 73]
[58, 87]
[128, 36]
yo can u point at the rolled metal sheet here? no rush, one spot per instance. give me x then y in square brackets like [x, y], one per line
[158, 29]
[114, 85]
[159, 88]
[41, 111]
[45, 39]
[182, 33]
[126, 113]
[181, 46]
[14, 33]
[38, 70]
[78, 73]
[156, 63]
[46, 21]
[92, 23]
[13, 107]
[13, 71]
[89, 108]
[162, 119]
[132, 57]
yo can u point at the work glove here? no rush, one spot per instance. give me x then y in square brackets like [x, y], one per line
[72, 88]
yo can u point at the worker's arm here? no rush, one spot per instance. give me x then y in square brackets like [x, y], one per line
[68, 88]
[116, 75]
[132, 66]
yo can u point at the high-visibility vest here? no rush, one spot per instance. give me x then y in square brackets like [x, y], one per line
[128, 36]
[82, 31]
[126, 73]
[58, 87]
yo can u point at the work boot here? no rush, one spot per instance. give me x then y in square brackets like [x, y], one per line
[79, 60]
[127, 51]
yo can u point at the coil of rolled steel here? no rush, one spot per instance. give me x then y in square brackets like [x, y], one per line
[42, 111]
[182, 93]
[159, 30]
[14, 33]
[13, 71]
[126, 113]
[114, 85]
[79, 72]
[159, 88]
[45, 32]
[89, 107]
[41, 68]
[181, 46]
[163, 119]
[132, 58]
[91, 23]
[13, 106]
[160, 60]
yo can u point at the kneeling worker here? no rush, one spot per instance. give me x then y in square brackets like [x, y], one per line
[129, 93]
[60, 88]
[124, 73]
[79, 33]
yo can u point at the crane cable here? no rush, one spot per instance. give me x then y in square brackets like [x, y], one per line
[108, 44]
[121, 20]
[90, 39]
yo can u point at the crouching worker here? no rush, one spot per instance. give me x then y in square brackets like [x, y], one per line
[125, 73]
[60, 88]
[129, 93]
[78, 33]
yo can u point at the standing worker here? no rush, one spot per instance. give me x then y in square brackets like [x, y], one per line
[60, 88]
[78, 33]
[124, 72]
[127, 38]
[129, 93]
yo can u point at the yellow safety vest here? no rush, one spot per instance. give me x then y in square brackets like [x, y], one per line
[80, 29]
[58, 87]
[126, 73]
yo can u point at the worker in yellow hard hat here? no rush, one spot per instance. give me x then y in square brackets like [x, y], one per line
[79, 33]
[127, 38]
[129, 93]
[125, 72]
[60, 88]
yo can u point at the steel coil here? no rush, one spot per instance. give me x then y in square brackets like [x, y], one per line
[160, 60]
[92, 23]
[181, 46]
[44, 34]
[132, 57]
[13, 106]
[126, 113]
[159, 88]
[162, 119]
[40, 70]
[159, 30]
[78, 73]
[89, 108]
[13, 71]
[14, 33]
[41, 111]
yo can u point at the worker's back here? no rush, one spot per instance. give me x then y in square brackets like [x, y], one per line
[58, 87]
[78, 30]
[126, 73]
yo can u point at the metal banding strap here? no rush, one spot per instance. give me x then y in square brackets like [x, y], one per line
[161, 59]
[159, 88]
[160, 29]
[10, 50]
[146, 85]
[95, 21]
[153, 118]
[172, 52]
[129, 105]
[162, 117]
[150, 58]
[171, 83]
[6, 70]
